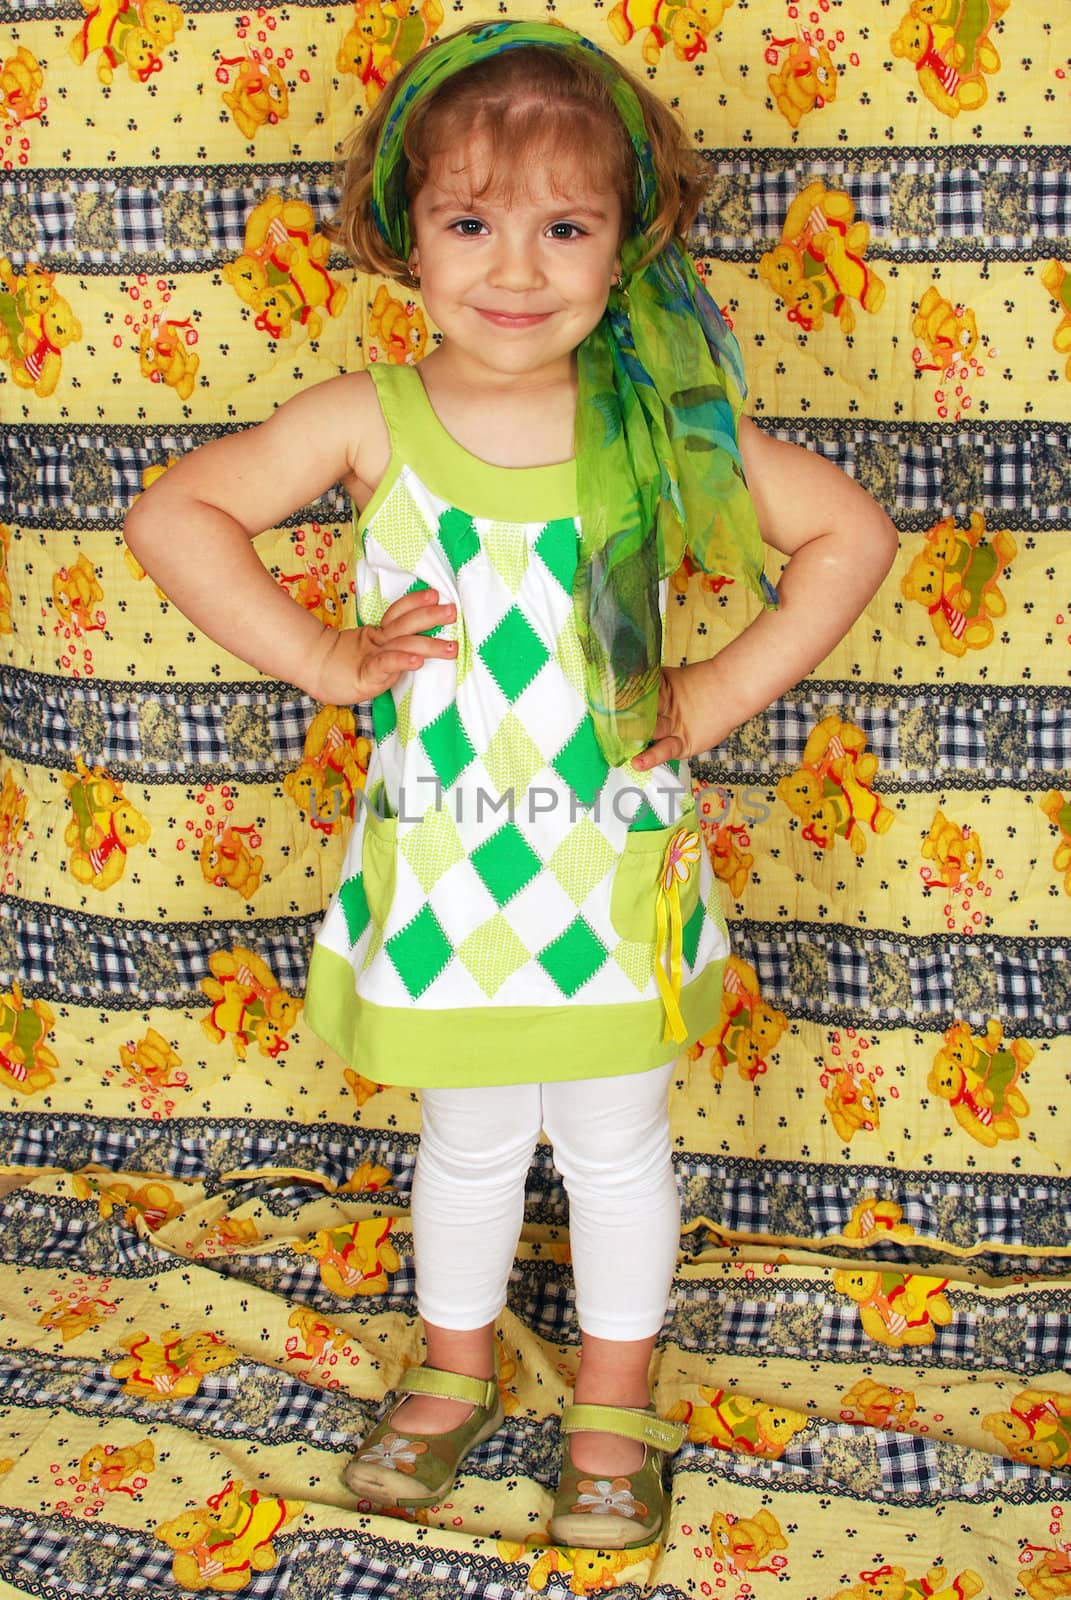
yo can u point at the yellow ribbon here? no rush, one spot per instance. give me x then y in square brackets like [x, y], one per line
[682, 854]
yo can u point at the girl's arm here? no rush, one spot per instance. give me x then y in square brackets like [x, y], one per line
[840, 545]
[192, 532]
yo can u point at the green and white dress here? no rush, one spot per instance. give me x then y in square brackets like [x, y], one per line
[503, 915]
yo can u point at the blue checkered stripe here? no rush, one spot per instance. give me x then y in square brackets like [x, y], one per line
[119, 1562]
[908, 1465]
[202, 1151]
[1028, 985]
[229, 1403]
[809, 1200]
[193, 219]
[1018, 470]
[1008, 736]
[199, 217]
[123, 964]
[50, 722]
[44, 473]
[995, 202]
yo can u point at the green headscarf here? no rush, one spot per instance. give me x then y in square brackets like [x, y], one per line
[660, 390]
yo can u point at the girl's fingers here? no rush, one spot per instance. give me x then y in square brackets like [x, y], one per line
[409, 651]
[413, 613]
[667, 749]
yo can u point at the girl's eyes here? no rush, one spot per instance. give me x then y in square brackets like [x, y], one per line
[473, 228]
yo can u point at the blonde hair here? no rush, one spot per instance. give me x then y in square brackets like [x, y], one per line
[522, 104]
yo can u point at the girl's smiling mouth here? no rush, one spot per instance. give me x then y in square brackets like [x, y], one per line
[512, 319]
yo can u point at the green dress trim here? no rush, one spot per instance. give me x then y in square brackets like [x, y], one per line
[451, 472]
[463, 1047]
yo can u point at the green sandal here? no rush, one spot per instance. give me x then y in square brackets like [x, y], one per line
[619, 1513]
[410, 1470]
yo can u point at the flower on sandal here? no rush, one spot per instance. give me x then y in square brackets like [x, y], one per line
[608, 1497]
[395, 1451]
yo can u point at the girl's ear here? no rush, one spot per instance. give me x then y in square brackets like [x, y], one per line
[414, 263]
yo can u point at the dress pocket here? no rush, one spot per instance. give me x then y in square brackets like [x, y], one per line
[379, 859]
[638, 880]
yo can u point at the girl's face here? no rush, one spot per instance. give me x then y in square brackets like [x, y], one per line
[514, 280]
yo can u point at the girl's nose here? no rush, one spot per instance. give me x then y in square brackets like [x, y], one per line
[516, 263]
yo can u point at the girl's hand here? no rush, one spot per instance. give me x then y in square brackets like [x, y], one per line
[672, 738]
[359, 663]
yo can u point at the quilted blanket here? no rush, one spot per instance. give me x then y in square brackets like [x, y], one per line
[206, 1280]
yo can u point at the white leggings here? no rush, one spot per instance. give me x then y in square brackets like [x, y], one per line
[611, 1145]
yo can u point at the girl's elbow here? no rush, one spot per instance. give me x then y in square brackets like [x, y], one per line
[886, 542]
[136, 527]
[131, 528]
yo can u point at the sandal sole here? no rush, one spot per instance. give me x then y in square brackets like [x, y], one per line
[586, 1532]
[382, 1488]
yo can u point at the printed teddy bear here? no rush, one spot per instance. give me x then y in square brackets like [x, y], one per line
[382, 38]
[222, 1544]
[36, 326]
[173, 1368]
[896, 1308]
[852, 1103]
[259, 96]
[333, 768]
[355, 1259]
[956, 576]
[748, 1027]
[112, 1467]
[589, 1571]
[950, 333]
[165, 356]
[819, 266]
[27, 1065]
[956, 852]
[12, 804]
[76, 591]
[980, 1080]
[1058, 811]
[873, 1219]
[831, 792]
[105, 827]
[399, 326]
[21, 83]
[1050, 1577]
[950, 49]
[248, 1004]
[892, 1583]
[227, 862]
[878, 1406]
[731, 1421]
[282, 271]
[804, 80]
[748, 1542]
[153, 1061]
[664, 22]
[1036, 1429]
[1057, 280]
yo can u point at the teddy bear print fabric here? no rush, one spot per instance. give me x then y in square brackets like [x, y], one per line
[204, 1244]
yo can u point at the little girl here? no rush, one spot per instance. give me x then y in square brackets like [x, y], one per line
[527, 927]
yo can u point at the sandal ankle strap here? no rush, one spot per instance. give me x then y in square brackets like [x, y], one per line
[643, 1426]
[450, 1386]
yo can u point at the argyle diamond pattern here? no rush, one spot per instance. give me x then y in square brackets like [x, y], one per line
[513, 653]
[505, 873]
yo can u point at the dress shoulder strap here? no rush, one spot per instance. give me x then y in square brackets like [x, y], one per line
[402, 401]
